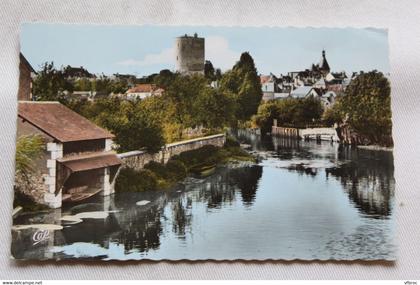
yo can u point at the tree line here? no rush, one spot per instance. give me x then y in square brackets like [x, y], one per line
[189, 102]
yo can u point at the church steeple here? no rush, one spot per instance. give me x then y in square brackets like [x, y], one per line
[323, 64]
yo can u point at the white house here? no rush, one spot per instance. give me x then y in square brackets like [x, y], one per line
[141, 91]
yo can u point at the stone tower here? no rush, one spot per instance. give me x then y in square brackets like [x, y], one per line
[189, 54]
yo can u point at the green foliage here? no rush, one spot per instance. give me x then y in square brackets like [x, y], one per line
[158, 168]
[180, 97]
[50, 84]
[164, 78]
[266, 113]
[28, 148]
[367, 106]
[333, 114]
[131, 122]
[154, 176]
[214, 108]
[209, 72]
[244, 81]
[177, 170]
[204, 155]
[169, 173]
[288, 112]
[130, 180]
[231, 142]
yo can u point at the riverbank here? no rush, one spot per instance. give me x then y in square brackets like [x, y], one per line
[199, 162]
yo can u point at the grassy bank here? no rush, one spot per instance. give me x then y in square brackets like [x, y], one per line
[200, 162]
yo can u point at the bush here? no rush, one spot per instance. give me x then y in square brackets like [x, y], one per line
[158, 168]
[231, 142]
[176, 169]
[130, 180]
[201, 155]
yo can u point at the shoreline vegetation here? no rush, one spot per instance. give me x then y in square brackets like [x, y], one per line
[201, 162]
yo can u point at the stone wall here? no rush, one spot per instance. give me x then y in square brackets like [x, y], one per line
[285, 132]
[329, 134]
[137, 159]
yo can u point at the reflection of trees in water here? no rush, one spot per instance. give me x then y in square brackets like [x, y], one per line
[214, 190]
[140, 225]
[246, 179]
[182, 216]
[247, 137]
[221, 188]
[367, 178]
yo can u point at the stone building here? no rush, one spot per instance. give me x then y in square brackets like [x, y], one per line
[77, 161]
[26, 74]
[190, 53]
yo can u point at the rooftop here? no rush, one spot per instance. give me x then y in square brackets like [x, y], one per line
[301, 91]
[142, 88]
[90, 161]
[60, 122]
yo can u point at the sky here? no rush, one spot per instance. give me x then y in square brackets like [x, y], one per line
[143, 50]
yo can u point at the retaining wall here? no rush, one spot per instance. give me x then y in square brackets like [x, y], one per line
[329, 134]
[137, 159]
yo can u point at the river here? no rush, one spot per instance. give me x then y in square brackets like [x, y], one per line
[302, 200]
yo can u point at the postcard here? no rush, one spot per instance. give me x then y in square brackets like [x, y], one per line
[203, 143]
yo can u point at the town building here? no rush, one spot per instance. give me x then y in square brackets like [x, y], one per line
[142, 91]
[190, 54]
[26, 76]
[272, 88]
[77, 162]
[317, 81]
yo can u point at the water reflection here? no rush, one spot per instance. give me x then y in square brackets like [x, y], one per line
[302, 200]
[368, 179]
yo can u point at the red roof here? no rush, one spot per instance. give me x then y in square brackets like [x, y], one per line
[264, 78]
[142, 88]
[60, 122]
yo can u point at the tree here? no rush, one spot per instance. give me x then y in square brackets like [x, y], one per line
[209, 72]
[218, 74]
[139, 131]
[50, 84]
[214, 109]
[180, 97]
[243, 80]
[164, 78]
[131, 122]
[366, 106]
[265, 116]
[288, 112]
